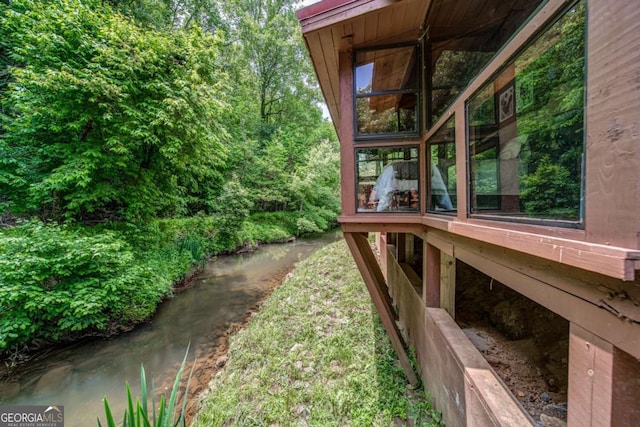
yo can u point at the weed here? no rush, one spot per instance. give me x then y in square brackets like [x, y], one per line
[138, 415]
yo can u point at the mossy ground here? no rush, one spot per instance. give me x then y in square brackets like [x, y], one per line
[316, 354]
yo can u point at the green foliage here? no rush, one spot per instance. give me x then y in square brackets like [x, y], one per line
[116, 113]
[193, 246]
[316, 188]
[232, 208]
[265, 227]
[551, 191]
[324, 358]
[277, 118]
[58, 280]
[153, 13]
[554, 122]
[107, 119]
[138, 415]
[452, 71]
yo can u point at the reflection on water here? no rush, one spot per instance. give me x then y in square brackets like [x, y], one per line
[79, 376]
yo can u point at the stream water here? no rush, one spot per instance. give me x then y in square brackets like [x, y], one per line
[79, 376]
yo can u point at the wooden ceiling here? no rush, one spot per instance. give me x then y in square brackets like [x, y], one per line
[331, 26]
[480, 25]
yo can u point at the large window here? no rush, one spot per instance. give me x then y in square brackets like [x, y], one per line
[386, 91]
[462, 38]
[441, 149]
[526, 130]
[388, 179]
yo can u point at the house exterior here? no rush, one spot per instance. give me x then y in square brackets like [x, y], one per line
[502, 136]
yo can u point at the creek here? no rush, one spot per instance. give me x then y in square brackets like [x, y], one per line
[223, 295]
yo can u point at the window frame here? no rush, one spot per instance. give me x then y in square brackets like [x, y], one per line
[389, 145]
[428, 146]
[505, 218]
[431, 122]
[417, 91]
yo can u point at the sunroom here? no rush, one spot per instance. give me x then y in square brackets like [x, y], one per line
[500, 136]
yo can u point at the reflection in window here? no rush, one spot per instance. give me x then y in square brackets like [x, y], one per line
[451, 74]
[387, 179]
[460, 44]
[442, 169]
[526, 129]
[386, 113]
[386, 92]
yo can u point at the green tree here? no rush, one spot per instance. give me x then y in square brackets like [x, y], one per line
[171, 13]
[276, 98]
[232, 208]
[550, 190]
[107, 119]
[315, 188]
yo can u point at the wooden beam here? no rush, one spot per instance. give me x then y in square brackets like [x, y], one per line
[590, 386]
[622, 333]
[618, 297]
[351, 10]
[461, 162]
[462, 383]
[347, 155]
[431, 279]
[448, 283]
[381, 227]
[381, 243]
[626, 389]
[609, 260]
[401, 246]
[617, 262]
[374, 280]
[604, 382]
[409, 246]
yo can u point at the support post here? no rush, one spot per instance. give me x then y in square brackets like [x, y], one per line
[409, 249]
[604, 382]
[448, 283]
[431, 276]
[401, 246]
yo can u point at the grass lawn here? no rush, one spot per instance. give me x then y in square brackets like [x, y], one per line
[315, 354]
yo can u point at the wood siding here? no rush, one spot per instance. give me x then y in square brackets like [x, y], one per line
[613, 123]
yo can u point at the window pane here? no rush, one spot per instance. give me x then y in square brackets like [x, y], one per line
[462, 39]
[386, 113]
[442, 169]
[388, 179]
[526, 129]
[451, 74]
[386, 69]
[386, 91]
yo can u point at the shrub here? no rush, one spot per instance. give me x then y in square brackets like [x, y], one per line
[231, 209]
[56, 279]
